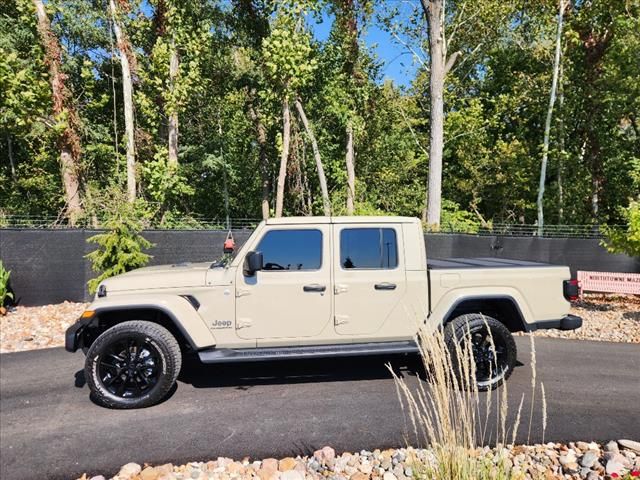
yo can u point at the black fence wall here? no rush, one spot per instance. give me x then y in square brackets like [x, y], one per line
[49, 266]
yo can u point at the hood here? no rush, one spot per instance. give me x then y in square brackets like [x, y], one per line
[162, 276]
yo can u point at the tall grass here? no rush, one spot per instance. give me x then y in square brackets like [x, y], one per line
[448, 414]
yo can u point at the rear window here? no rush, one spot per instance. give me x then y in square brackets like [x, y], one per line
[371, 248]
[291, 250]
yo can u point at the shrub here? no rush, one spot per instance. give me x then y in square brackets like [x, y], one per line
[120, 247]
[4, 285]
[626, 240]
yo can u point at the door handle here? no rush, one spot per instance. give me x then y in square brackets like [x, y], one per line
[385, 286]
[314, 287]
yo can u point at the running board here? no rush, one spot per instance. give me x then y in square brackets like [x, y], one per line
[228, 355]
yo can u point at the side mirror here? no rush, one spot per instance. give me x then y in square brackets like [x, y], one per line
[253, 263]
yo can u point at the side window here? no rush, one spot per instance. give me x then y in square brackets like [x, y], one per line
[291, 250]
[368, 248]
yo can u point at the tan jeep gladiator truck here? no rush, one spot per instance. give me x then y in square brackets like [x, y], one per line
[311, 287]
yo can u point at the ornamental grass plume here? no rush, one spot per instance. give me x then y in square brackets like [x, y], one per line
[447, 414]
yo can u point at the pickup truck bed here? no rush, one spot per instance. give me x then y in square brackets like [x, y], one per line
[482, 262]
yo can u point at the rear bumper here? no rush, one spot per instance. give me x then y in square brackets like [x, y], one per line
[73, 335]
[568, 322]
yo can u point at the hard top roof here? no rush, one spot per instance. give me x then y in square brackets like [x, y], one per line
[342, 219]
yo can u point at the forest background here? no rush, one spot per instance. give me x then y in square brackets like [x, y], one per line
[466, 113]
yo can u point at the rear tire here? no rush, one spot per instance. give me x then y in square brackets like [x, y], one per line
[132, 365]
[494, 364]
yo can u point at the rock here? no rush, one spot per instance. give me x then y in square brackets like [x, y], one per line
[350, 471]
[291, 475]
[270, 464]
[589, 459]
[129, 470]
[582, 445]
[584, 472]
[593, 476]
[400, 456]
[97, 477]
[366, 468]
[612, 446]
[630, 444]
[149, 473]
[359, 476]
[571, 467]
[618, 458]
[386, 464]
[614, 467]
[167, 468]
[324, 454]
[235, 467]
[286, 464]
[389, 476]
[268, 474]
[565, 459]
[408, 471]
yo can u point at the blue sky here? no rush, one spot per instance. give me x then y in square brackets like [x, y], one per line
[397, 61]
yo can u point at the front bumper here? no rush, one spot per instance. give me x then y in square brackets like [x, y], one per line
[73, 335]
[568, 322]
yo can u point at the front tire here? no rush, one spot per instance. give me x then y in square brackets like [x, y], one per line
[132, 365]
[492, 347]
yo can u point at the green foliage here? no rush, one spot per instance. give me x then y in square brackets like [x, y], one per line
[626, 240]
[120, 247]
[239, 58]
[456, 220]
[4, 285]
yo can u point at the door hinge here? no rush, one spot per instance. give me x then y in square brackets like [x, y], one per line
[340, 288]
[341, 319]
[243, 323]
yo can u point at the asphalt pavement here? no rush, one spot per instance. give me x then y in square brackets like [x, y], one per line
[50, 428]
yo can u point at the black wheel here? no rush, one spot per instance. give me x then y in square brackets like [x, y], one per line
[492, 346]
[132, 365]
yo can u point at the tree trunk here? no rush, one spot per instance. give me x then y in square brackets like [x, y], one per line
[174, 64]
[434, 11]
[351, 172]
[284, 155]
[547, 124]
[348, 20]
[12, 162]
[69, 141]
[326, 203]
[261, 137]
[127, 91]
[562, 155]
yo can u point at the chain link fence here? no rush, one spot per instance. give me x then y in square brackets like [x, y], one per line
[201, 223]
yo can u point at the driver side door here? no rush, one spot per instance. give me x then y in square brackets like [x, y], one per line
[291, 296]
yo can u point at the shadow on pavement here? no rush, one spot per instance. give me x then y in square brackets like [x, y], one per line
[246, 375]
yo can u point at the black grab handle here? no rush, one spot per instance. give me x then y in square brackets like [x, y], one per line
[314, 288]
[385, 286]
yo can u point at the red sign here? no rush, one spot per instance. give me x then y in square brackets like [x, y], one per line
[609, 282]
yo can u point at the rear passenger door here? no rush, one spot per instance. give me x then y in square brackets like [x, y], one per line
[369, 277]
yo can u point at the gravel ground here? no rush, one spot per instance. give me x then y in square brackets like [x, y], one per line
[579, 461]
[30, 328]
[606, 318]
